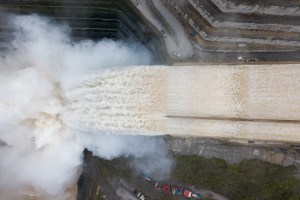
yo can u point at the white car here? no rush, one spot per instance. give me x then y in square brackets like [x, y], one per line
[139, 195]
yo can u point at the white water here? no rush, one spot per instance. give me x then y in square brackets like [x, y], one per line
[45, 122]
[235, 102]
[58, 97]
[119, 100]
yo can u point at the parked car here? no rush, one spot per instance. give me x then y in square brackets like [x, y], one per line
[139, 195]
[166, 188]
[148, 178]
[176, 190]
[196, 195]
[163, 33]
[251, 60]
[187, 193]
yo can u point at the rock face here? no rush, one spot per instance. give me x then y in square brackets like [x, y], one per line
[289, 8]
[285, 155]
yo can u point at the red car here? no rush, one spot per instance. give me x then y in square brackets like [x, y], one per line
[187, 193]
[166, 188]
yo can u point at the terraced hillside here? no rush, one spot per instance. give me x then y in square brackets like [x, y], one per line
[217, 30]
[225, 30]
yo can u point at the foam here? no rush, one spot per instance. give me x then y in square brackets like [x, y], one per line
[245, 102]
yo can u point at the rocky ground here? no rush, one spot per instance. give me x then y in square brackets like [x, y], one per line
[282, 154]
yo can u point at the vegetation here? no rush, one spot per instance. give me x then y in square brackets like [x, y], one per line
[250, 179]
[114, 168]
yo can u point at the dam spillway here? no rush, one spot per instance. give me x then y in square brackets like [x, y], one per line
[243, 102]
[50, 112]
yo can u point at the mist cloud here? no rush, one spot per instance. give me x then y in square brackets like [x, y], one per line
[38, 151]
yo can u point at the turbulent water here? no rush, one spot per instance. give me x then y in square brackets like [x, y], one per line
[235, 102]
[58, 97]
[51, 102]
[126, 101]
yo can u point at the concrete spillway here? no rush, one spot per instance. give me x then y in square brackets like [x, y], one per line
[254, 102]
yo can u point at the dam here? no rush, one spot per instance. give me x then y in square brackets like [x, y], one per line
[136, 79]
[240, 102]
